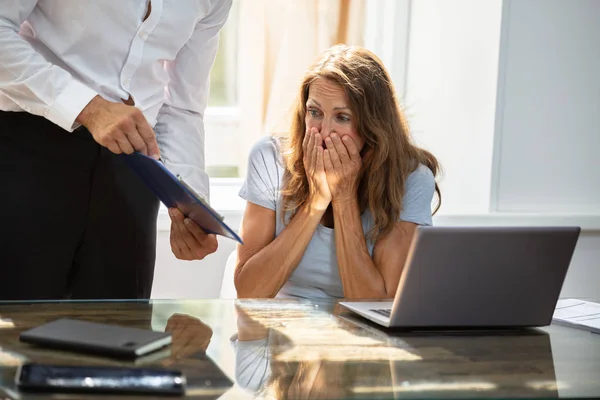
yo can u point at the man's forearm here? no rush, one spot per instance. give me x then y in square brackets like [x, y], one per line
[38, 86]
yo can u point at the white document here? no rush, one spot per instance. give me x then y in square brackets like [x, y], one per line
[578, 314]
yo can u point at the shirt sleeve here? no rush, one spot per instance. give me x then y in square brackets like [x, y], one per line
[28, 79]
[252, 363]
[418, 196]
[180, 122]
[253, 369]
[261, 185]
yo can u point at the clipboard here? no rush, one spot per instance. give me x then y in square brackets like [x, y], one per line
[174, 192]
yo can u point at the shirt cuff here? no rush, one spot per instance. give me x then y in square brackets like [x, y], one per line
[69, 104]
[198, 180]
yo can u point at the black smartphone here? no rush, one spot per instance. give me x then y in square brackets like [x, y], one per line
[96, 338]
[99, 379]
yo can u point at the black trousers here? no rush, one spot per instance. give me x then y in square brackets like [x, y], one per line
[75, 221]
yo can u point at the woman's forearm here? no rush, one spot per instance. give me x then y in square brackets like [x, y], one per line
[360, 277]
[263, 274]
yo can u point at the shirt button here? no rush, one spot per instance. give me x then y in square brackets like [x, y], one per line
[142, 35]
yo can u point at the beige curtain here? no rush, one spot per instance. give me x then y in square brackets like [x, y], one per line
[278, 40]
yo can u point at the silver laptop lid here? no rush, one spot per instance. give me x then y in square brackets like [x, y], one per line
[483, 276]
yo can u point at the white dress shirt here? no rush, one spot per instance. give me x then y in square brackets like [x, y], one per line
[56, 55]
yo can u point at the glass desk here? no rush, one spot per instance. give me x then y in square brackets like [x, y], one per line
[307, 349]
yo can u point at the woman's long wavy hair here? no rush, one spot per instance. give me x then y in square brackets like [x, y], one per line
[389, 155]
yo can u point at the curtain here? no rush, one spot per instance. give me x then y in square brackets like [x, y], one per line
[278, 40]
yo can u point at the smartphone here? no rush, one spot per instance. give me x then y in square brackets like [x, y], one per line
[99, 379]
[97, 338]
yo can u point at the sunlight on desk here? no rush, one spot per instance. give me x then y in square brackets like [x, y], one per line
[547, 385]
[428, 387]
[6, 323]
[10, 359]
[346, 353]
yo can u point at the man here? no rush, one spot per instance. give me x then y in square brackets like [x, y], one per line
[80, 83]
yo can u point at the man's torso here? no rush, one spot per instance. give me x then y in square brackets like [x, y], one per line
[109, 46]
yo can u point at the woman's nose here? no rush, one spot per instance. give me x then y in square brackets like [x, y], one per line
[326, 130]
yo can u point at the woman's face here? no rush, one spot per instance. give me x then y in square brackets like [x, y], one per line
[328, 111]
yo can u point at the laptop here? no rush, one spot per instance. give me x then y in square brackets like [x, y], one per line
[477, 277]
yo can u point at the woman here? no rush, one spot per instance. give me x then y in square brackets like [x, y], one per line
[332, 209]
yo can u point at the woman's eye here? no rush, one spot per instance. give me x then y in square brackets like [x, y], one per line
[313, 113]
[343, 118]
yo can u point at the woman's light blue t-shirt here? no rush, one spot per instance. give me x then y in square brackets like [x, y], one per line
[317, 274]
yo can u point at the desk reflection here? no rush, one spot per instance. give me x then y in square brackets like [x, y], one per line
[187, 352]
[309, 349]
[349, 358]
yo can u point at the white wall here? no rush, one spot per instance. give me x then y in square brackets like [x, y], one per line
[176, 279]
[548, 121]
[451, 94]
[583, 278]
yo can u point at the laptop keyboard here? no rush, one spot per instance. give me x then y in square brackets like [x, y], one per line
[382, 311]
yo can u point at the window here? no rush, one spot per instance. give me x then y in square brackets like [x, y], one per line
[222, 115]
[223, 78]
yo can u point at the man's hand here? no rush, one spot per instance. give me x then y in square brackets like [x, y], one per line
[188, 240]
[190, 335]
[119, 127]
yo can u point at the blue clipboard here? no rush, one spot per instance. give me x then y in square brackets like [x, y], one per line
[174, 192]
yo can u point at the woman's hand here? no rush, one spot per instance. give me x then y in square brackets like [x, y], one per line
[312, 146]
[342, 163]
